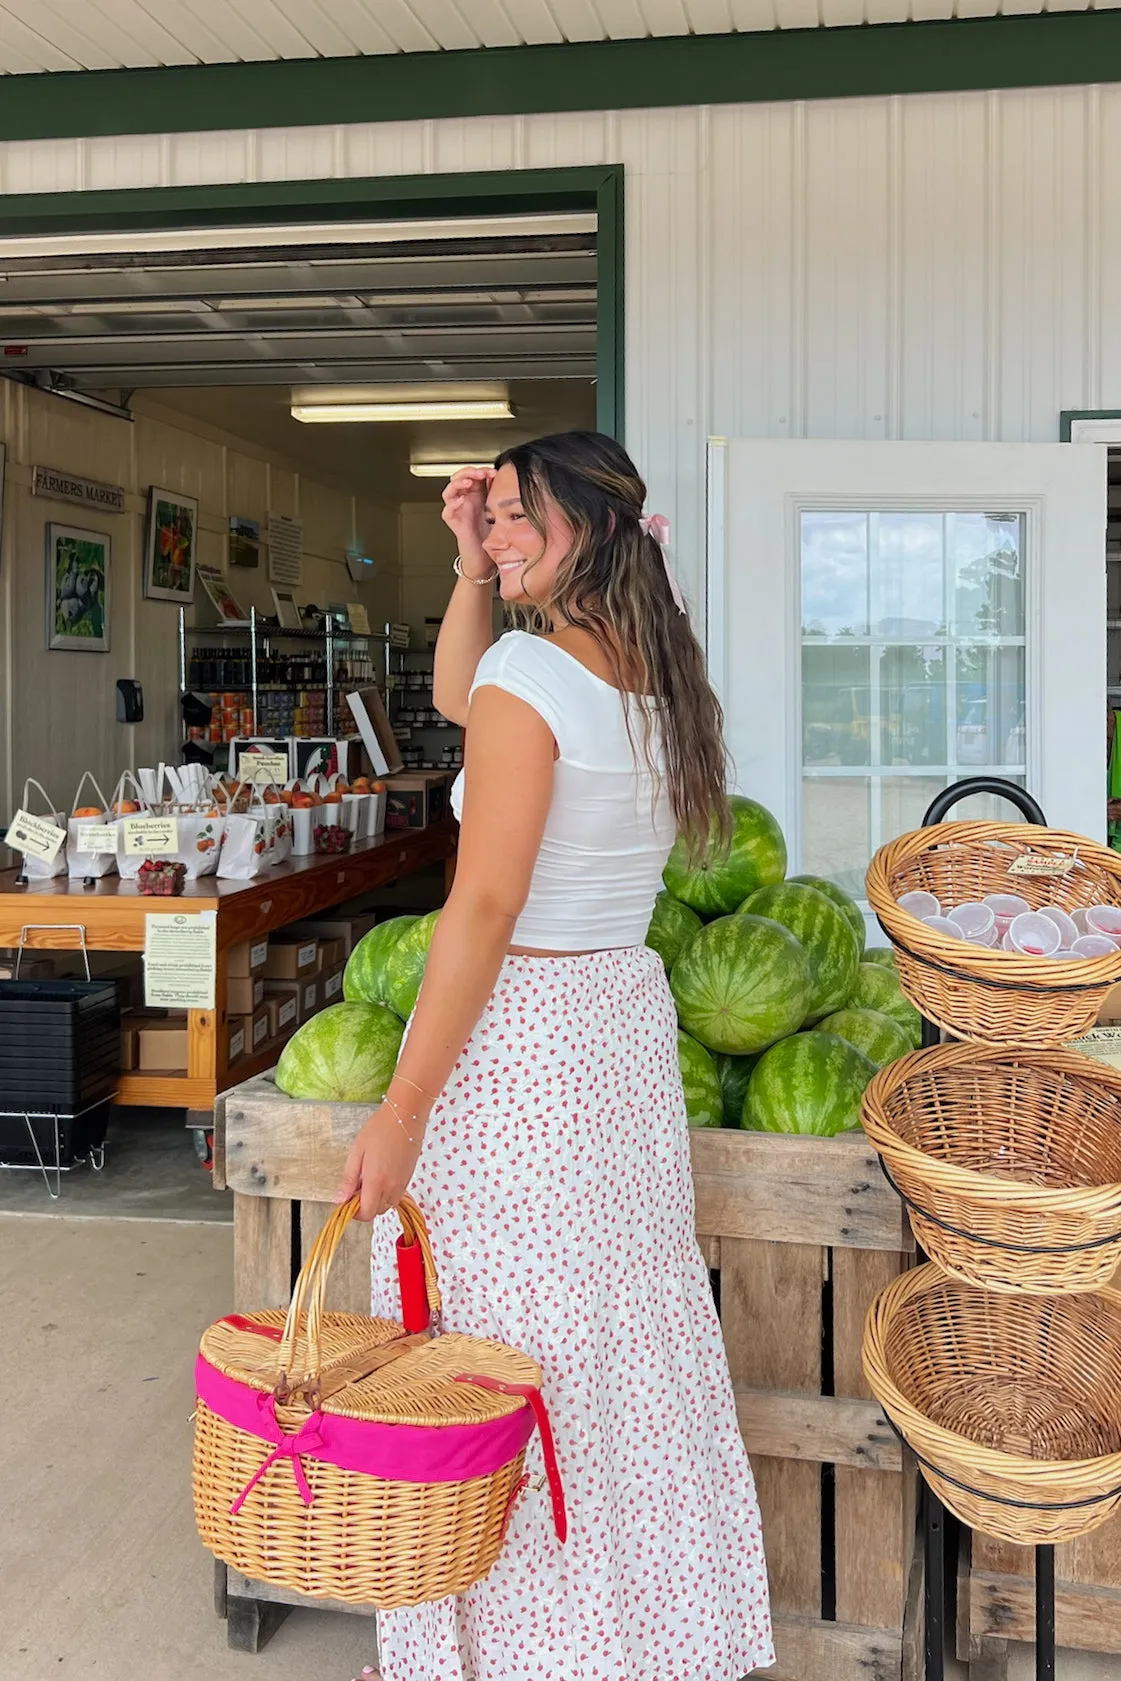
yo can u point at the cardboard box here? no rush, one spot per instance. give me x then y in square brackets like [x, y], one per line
[271, 1008]
[258, 1032]
[247, 959]
[311, 997]
[375, 729]
[235, 1027]
[332, 956]
[289, 996]
[290, 959]
[346, 930]
[416, 799]
[131, 1023]
[333, 987]
[245, 994]
[163, 1046]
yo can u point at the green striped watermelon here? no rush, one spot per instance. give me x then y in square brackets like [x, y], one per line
[735, 1073]
[810, 1083]
[671, 928]
[742, 983]
[877, 988]
[345, 1054]
[883, 955]
[727, 872]
[364, 980]
[871, 1032]
[844, 902]
[703, 1103]
[405, 965]
[825, 935]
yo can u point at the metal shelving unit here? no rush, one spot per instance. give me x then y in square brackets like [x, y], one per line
[261, 635]
[401, 686]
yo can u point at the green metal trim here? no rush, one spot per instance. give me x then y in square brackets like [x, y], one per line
[939, 57]
[1069, 416]
[402, 197]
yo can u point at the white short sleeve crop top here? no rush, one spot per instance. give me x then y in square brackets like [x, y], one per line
[610, 827]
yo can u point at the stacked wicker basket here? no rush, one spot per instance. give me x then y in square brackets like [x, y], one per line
[999, 1361]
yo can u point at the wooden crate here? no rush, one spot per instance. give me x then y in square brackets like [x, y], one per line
[803, 1233]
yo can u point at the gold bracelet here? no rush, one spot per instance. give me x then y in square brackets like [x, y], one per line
[457, 568]
[405, 1081]
[397, 1117]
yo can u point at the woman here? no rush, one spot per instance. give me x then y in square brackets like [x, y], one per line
[537, 1112]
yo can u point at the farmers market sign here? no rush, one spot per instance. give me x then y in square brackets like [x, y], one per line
[69, 487]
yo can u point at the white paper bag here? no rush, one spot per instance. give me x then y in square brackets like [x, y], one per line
[245, 846]
[81, 865]
[39, 869]
[199, 828]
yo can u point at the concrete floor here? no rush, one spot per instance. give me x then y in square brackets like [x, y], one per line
[102, 1572]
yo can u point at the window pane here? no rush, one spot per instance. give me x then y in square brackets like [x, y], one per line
[912, 712]
[836, 706]
[834, 574]
[990, 706]
[906, 573]
[837, 828]
[988, 552]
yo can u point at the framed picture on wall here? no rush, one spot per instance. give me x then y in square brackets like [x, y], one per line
[169, 547]
[77, 589]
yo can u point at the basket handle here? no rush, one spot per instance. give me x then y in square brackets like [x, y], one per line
[1028, 808]
[88, 776]
[416, 1267]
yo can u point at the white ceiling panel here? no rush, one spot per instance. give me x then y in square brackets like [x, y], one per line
[63, 35]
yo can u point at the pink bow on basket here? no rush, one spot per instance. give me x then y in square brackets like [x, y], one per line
[657, 526]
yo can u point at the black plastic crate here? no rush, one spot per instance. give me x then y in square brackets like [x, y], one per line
[60, 1044]
[77, 1136]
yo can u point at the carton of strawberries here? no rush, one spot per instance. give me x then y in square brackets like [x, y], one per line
[160, 876]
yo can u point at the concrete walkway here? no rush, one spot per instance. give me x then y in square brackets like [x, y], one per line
[102, 1573]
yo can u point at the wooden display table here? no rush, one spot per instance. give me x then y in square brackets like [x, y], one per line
[111, 913]
[800, 1234]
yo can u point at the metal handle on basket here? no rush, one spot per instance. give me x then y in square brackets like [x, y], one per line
[1028, 808]
[311, 1286]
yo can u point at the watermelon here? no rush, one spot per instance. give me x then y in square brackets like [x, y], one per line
[810, 1083]
[877, 988]
[883, 955]
[405, 965]
[671, 928]
[871, 1032]
[825, 936]
[734, 1072]
[740, 984]
[345, 1054]
[703, 1101]
[364, 979]
[720, 880]
[844, 902]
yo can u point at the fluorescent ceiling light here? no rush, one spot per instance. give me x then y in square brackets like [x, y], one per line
[441, 469]
[459, 409]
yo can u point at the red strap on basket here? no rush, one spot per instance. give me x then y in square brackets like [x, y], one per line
[238, 1322]
[532, 1394]
[414, 1294]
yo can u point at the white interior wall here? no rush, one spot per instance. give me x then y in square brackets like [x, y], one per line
[60, 707]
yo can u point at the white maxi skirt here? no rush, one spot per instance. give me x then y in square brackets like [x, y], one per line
[555, 1180]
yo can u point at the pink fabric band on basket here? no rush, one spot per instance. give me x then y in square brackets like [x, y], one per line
[404, 1453]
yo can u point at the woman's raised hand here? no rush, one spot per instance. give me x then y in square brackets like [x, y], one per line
[464, 501]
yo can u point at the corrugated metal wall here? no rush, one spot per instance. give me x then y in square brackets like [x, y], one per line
[923, 267]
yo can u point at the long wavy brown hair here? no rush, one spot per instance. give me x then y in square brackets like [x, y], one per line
[613, 584]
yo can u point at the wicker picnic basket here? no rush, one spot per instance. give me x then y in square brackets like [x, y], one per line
[991, 995]
[359, 1459]
[1011, 1404]
[1009, 1162]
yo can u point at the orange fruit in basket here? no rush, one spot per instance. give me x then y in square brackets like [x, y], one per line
[301, 800]
[361, 785]
[87, 811]
[333, 798]
[378, 788]
[124, 807]
[272, 797]
[342, 788]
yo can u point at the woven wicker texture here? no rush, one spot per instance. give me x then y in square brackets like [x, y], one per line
[363, 1539]
[1012, 1404]
[972, 992]
[1018, 1151]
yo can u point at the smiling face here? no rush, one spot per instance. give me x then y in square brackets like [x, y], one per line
[527, 566]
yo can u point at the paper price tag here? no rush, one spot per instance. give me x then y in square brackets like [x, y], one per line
[180, 957]
[1103, 1044]
[263, 767]
[96, 837]
[35, 837]
[151, 836]
[1047, 866]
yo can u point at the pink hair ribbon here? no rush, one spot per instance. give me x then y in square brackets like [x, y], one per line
[657, 526]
